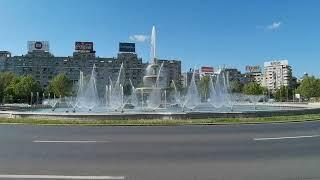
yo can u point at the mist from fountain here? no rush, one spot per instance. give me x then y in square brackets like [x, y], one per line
[220, 92]
[51, 102]
[176, 95]
[154, 99]
[133, 99]
[87, 96]
[70, 101]
[115, 99]
[158, 75]
[254, 99]
[192, 98]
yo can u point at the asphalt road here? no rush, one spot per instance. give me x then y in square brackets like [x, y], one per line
[233, 152]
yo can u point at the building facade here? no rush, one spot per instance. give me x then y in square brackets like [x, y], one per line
[276, 74]
[44, 66]
[171, 70]
[232, 74]
[254, 74]
[256, 77]
[186, 77]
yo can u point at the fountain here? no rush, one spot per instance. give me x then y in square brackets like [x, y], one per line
[133, 99]
[52, 103]
[220, 91]
[154, 82]
[154, 98]
[192, 98]
[87, 95]
[177, 95]
[154, 95]
[114, 94]
[254, 99]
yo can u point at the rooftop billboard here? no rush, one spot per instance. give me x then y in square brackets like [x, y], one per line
[277, 63]
[253, 68]
[127, 47]
[83, 46]
[38, 46]
[207, 70]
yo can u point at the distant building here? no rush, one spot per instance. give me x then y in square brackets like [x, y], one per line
[233, 74]
[44, 66]
[133, 67]
[253, 74]
[3, 56]
[172, 70]
[276, 74]
[187, 76]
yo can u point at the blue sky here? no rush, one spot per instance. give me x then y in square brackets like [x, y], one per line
[234, 33]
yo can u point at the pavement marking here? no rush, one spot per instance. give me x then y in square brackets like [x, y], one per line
[285, 137]
[14, 176]
[58, 141]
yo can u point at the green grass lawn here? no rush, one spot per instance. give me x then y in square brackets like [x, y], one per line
[160, 122]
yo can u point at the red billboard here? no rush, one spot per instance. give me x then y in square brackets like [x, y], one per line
[207, 69]
[84, 46]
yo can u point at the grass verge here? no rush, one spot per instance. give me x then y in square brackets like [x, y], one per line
[160, 122]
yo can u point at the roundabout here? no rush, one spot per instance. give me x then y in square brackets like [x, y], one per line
[240, 111]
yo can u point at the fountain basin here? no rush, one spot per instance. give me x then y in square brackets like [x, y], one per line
[202, 112]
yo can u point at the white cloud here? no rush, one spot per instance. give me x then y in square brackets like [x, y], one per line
[139, 38]
[274, 25]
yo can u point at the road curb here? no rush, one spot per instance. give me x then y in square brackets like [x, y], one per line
[182, 124]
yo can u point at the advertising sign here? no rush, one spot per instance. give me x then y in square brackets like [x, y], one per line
[277, 63]
[206, 69]
[38, 46]
[127, 47]
[83, 46]
[253, 68]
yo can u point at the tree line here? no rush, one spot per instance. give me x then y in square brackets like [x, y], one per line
[20, 89]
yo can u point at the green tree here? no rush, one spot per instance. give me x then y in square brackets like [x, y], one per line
[253, 88]
[22, 87]
[204, 88]
[284, 94]
[309, 87]
[60, 85]
[5, 79]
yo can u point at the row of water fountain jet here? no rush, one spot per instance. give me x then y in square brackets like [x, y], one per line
[87, 97]
[114, 99]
